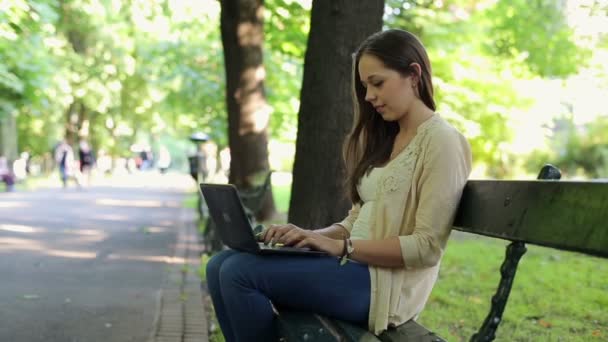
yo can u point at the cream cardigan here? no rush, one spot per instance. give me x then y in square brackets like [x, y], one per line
[417, 198]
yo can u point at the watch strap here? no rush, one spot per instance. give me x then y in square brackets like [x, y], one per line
[344, 258]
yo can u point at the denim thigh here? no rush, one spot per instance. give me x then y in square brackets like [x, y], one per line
[304, 283]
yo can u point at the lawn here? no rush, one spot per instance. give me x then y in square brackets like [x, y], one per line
[281, 194]
[556, 296]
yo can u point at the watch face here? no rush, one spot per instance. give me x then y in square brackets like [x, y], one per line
[350, 247]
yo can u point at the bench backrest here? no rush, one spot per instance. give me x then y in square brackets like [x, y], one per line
[565, 215]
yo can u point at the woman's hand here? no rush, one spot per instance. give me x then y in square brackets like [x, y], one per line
[292, 235]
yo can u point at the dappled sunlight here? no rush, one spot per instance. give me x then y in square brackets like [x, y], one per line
[167, 223]
[85, 235]
[8, 243]
[172, 204]
[148, 258]
[70, 254]
[72, 196]
[156, 229]
[16, 244]
[149, 180]
[111, 217]
[249, 34]
[193, 239]
[14, 205]
[129, 203]
[17, 228]
[13, 245]
[85, 239]
[87, 232]
[82, 237]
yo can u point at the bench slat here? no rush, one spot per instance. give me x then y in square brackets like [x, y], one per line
[565, 215]
[352, 332]
[410, 331]
[301, 326]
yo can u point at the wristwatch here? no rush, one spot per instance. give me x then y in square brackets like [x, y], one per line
[347, 251]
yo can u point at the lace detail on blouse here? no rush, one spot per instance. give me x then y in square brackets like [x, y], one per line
[398, 172]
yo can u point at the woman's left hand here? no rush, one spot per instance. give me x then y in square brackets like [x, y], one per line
[291, 235]
[322, 243]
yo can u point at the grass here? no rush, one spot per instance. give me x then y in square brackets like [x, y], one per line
[281, 195]
[556, 296]
[191, 201]
[34, 182]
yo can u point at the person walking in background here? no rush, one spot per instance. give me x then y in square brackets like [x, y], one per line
[21, 167]
[64, 157]
[87, 160]
[164, 159]
[6, 174]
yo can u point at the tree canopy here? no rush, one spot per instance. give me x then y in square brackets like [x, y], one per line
[131, 71]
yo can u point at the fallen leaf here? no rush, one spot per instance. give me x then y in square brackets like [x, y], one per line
[544, 323]
[596, 333]
[475, 300]
[30, 296]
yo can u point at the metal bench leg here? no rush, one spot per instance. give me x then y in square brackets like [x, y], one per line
[487, 331]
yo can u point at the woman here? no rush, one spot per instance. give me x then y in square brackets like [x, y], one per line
[406, 170]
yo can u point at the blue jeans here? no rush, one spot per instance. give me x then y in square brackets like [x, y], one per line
[242, 285]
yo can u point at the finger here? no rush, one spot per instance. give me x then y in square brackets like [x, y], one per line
[284, 230]
[306, 242]
[301, 244]
[292, 236]
[262, 234]
[275, 234]
[288, 236]
[269, 235]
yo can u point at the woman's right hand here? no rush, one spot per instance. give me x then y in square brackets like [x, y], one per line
[287, 234]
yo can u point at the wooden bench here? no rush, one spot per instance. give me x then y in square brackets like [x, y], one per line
[253, 199]
[565, 215]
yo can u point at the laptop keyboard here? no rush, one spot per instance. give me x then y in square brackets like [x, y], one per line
[263, 246]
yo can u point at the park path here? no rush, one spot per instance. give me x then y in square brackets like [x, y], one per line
[103, 263]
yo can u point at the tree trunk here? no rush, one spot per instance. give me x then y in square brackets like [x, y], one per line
[8, 137]
[77, 122]
[326, 111]
[242, 27]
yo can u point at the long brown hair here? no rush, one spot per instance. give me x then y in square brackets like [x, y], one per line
[371, 139]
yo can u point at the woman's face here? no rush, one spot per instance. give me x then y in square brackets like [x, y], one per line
[387, 90]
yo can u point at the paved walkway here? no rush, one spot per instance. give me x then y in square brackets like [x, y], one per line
[180, 314]
[114, 262]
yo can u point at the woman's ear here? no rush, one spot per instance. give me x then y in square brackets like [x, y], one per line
[416, 72]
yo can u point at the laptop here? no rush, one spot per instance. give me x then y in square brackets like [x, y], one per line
[233, 226]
